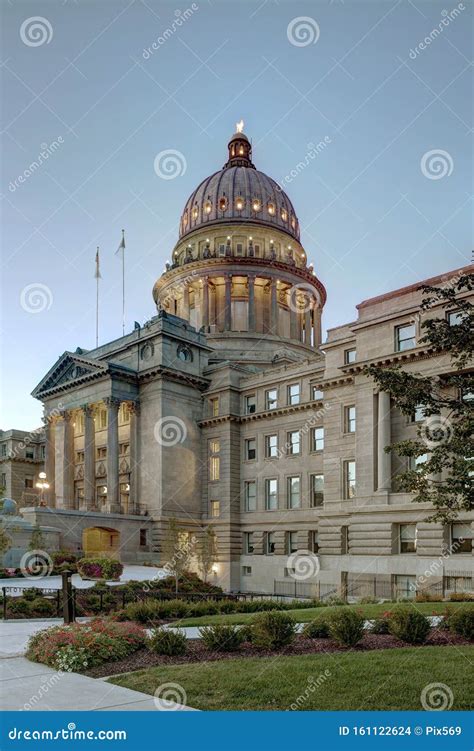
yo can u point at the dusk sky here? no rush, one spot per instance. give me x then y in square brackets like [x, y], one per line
[104, 88]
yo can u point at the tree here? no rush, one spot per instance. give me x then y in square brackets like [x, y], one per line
[37, 541]
[207, 553]
[442, 456]
[5, 541]
[177, 548]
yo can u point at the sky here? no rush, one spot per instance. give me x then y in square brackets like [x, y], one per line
[104, 87]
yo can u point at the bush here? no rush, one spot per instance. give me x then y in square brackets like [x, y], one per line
[427, 597]
[368, 600]
[461, 622]
[85, 645]
[334, 600]
[173, 608]
[207, 607]
[273, 630]
[63, 556]
[18, 606]
[43, 607]
[222, 637]
[317, 629]
[144, 612]
[346, 626]
[409, 625]
[100, 568]
[258, 606]
[379, 626]
[227, 606]
[246, 632]
[171, 642]
[461, 597]
[30, 593]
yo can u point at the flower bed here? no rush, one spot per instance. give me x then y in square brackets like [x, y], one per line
[100, 568]
[81, 646]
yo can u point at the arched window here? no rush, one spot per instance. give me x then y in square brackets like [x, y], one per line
[284, 215]
[207, 207]
[222, 203]
[239, 203]
[256, 204]
[271, 209]
[195, 212]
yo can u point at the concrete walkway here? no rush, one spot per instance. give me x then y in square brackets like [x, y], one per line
[28, 686]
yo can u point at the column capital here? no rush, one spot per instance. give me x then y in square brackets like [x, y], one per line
[65, 415]
[112, 401]
[134, 407]
[88, 409]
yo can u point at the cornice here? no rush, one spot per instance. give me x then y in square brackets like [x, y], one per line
[161, 371]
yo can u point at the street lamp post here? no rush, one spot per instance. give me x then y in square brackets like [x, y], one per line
[43, 485]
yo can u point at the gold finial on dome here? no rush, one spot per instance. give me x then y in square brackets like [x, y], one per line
[239, 127]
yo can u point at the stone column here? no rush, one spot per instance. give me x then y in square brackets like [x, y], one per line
[49, 451]
[133, 504]
[307, 322]
[273, 307]
[316, 326]
[113, 505]
[186, 302]
[228, 303]
[89, 457]
[383, 439]
[205, 302]
[63, 460]
[251, 302]
[293, 302]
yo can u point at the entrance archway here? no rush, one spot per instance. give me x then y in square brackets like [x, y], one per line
[101, 542]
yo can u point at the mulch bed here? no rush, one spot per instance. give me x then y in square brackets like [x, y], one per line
[197, 652]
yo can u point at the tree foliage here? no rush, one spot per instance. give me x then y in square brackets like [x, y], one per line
[177, 549]
[207, 553]
[442, 454]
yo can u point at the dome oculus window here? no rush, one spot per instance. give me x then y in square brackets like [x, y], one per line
[222, 203]
[239, 203]
[271, 209]
[284, 215]
[185, 218]
[195, 212]
[207, 207]
[256, 205]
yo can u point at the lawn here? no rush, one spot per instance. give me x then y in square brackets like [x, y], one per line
[304, 615]
[390, 679]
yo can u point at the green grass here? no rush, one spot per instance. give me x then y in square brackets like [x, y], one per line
[390, 679]
[304, 615]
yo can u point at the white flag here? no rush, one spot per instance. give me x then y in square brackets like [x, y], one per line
[121, 247]
[97, 274]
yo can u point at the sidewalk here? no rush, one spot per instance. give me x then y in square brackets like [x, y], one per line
[28, 686]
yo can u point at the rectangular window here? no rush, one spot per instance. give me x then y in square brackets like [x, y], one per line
[461, 538]
[271, 495]
[344, 540]
[248, 543]
[349, 468]
[143, 537]
[350, 419]
[257, 250]
[29, 453]
[414, 462]
[405, 337]
[222, 249]
[455, 317]
[102, 419]
[79, 423]
[251, 449]
[291, 542]
[214, 508]
[271, 446]
[317, 439]
[28, 482]
[271, 399]
[293, 440]
[350, 356]
[293, 492]
[4, 449]
[79, 457]
[316, 394]
[102, 452]
[251, 495]
[269, 543]
[3, 481]
[250, 404]
[124, 449]
[314, 541]
[246, 570]
[294, 393]
[407, 538]
[316, 490]
[419, 414]
[239, 249]
[124, 413]
[214, 460]
[214, 406]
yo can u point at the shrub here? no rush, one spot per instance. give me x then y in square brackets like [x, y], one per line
[43, 607]
[334, 600]
[85, 645]
[30, 593]
[257, 606]
[144, 612]
[427, 597]
[409, 625]
[173, 608]
[461, 597]
[346, 626]
[222, 637]
[317, 629]
[100, 568]
[368, 600]
[462, 622]
[207, 607]
[227, 606]
[273, 630]
[171, 642]
[19, 606]
[246, 632]
[63, 556]
[379, 625]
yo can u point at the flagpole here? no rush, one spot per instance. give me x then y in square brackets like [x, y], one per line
[123, 282]
[97, 277]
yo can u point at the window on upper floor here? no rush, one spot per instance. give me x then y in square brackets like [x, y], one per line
[29, 453]
[293, 442]
[407, 538]
[291, 542]
[405, 337]
[455, 317]
[316, 439]
[271, 446]
[349, 478]
[214, 459]
[461, 537]
[250, 449]
[419, 414]
[316, 394]
[101, 452]
[250, 490]
[350, 419]
[28, 482]
[293, 492]
[293, 393]
[250, 404]
[124, 413]
[3, 449]
[248, 543]
[350, 356]
[214, 508]
[415, 462]
[316, 490]
[271, 399]
[271, 494]
[214, 406]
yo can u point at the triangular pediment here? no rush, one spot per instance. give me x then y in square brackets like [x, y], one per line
[70, 370]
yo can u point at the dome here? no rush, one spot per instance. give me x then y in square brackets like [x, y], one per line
[8, 507]
[239, 192]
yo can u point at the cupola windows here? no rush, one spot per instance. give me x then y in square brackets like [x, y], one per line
[239, 203]
[284, 215]
[207, 208]
[222, 203]
[195, 212]
[256, 205]
[271, 209]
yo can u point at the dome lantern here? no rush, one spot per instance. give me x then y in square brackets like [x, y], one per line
[240, 149]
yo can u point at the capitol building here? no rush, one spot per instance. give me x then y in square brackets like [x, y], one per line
[227, 409]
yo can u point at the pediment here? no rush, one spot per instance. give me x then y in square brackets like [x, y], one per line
[70, 369]
[285, 356]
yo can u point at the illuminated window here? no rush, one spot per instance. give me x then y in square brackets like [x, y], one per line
[214, 406]
[185, 218]
[124, 413]
[271, 209]
[214, 460]
[214, 508]
[239, 203]
[195, 212]
[207, 207]
[284, 215]
[222, 203]
[256, 205]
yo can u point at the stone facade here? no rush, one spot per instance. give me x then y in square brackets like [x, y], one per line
[226, 410]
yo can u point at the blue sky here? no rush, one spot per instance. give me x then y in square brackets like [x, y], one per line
[376, 208]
